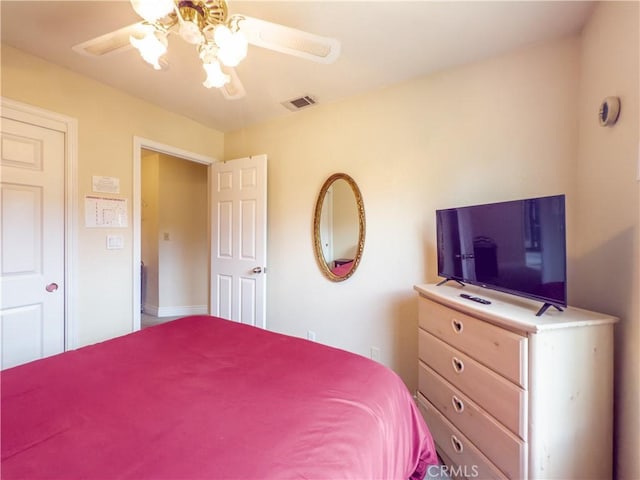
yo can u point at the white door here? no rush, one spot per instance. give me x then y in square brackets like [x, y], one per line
[32, 242]
[239, 240]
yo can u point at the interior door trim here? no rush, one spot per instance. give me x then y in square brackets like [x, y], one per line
[69, 127]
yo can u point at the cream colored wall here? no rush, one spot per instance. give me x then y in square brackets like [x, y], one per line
[607, 267]
[499, 129]
[149, 231]
[183, 281]
[107, 122]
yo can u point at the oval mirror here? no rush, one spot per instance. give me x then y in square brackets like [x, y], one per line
[339, 227]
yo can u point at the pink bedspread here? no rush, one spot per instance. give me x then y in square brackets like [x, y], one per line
[342, 270]
[205, 398]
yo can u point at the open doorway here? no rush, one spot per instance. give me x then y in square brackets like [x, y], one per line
[142, 146]
[174, 238]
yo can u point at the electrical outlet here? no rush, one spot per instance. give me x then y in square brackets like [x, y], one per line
[375, 353]
[311, 335]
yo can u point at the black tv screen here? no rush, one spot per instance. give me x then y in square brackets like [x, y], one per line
[518, 247]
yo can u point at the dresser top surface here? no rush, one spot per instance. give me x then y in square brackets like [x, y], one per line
[510, 310]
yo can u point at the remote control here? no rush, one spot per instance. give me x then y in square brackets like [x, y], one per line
[475, 299]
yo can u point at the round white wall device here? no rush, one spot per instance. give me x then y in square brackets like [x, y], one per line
[609, 111]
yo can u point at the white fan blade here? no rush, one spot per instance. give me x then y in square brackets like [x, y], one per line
[234, 89]
[112, 42]
[290, 40]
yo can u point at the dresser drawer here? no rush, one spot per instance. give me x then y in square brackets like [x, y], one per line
[469, 461]
[503, 351]
[501, 446]
[504, 400]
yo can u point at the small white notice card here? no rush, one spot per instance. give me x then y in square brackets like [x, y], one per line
[106, 184]
[105, 212]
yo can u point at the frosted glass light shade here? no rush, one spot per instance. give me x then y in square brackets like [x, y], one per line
[233, 49]
[190, 33]
[151, 47]
[215, 76]
[152, 10]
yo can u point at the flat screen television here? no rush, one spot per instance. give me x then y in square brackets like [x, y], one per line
[517, 247]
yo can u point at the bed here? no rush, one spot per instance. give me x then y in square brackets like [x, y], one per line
[342, 269]
[206, 398]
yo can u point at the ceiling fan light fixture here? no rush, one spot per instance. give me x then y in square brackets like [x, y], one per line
[153, 10]
[151, 46]
[203, 23]
[220, 39]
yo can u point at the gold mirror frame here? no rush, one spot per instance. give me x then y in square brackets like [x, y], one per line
[317, 242]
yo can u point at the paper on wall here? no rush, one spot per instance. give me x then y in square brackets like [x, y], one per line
[105, 212]
[106, 184]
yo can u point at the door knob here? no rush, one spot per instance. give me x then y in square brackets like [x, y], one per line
[52, 287]
[257, 270]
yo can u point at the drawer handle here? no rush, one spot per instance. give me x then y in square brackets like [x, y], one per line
[457, 325]
[458, 366]
[458, 405]
[457, 444]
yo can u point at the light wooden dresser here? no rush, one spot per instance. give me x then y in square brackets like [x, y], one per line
[507, 394]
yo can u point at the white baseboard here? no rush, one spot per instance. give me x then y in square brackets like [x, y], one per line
[150, 309]
[175, 311]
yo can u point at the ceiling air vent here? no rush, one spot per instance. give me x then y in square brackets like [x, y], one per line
[299, 103]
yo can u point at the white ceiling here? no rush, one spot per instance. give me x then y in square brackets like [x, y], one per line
[383, 42]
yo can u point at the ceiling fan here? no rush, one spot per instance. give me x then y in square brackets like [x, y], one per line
[220, 39]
